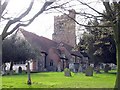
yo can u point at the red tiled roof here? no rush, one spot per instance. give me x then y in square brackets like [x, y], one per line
[41, 43]
[44, 44]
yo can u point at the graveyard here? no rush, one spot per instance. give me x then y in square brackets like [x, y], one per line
[58, 80]
[71, 44]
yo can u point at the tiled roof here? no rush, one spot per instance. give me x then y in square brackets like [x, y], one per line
[41, 43]
[44, 44]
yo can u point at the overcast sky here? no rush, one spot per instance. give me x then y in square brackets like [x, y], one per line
[44, 24]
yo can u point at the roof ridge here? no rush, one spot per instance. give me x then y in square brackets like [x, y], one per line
[23, 30]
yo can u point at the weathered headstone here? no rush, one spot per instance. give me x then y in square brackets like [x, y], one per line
[89, 71]
[67, 72]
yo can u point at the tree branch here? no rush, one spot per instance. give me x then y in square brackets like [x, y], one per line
[4, 5]
[10, 22]
[109, 11]
[93, 9]
[6, 18]
[84, 24]
[46, 4]
[58, 6]
[87, 15]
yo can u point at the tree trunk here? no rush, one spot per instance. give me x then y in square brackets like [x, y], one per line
[28, 72]
[118, 67]
[118, 70]
[117, 84]
[117, 39]
[0, 10]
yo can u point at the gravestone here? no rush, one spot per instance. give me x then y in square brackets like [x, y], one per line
[71, 67]
[59, 68]
[19, 70]
[83, 68]
[97, 69]
[89, 71]
[107, 68]
[67, 72]
[80, 68]
[3, 71]
[76, 67]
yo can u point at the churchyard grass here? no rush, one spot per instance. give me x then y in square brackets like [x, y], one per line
[58, 80]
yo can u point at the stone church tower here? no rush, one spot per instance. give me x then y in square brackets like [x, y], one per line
[64, 29]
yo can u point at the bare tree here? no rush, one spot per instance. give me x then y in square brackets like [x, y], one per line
[18, 20]
[112, 15]
[4, 5]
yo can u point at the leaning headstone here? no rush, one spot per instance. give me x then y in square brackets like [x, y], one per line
[67, 72]
[89, 71]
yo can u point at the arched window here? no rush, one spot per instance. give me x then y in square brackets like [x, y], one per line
[51, 62]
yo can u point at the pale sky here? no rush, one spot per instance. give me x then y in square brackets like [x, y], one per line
[44, 24]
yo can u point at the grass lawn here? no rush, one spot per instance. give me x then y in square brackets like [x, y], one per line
[58, 80]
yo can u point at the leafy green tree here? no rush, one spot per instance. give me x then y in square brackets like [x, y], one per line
[16, 50]
[111, 15]
[99, 43]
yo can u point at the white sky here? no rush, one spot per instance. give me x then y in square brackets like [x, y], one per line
[44, 24]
